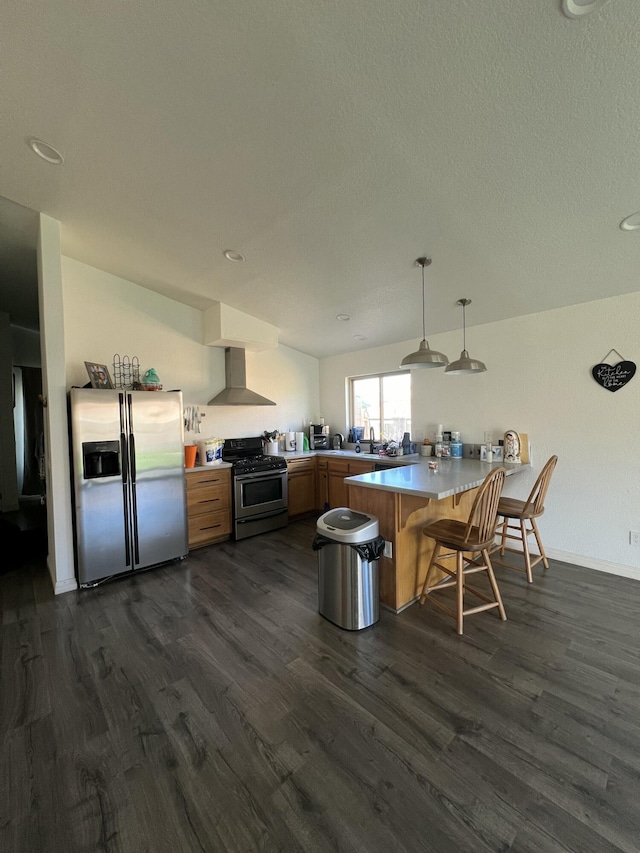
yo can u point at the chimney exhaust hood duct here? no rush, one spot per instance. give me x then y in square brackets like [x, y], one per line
[235, 392]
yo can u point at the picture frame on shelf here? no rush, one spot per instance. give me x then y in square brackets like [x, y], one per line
[99, 376]
[498, 454]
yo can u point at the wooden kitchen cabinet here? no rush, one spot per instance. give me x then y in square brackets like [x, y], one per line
[301, 476]
[208, 506]
[357, 466]
[323, 485]
[337, 470]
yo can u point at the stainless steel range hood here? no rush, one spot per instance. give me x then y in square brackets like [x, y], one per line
[235, 392]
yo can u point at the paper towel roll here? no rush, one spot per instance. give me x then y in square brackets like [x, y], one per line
[299, 442]
[210, 451]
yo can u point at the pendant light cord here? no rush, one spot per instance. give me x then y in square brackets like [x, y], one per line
[424, 334]
[464, 328]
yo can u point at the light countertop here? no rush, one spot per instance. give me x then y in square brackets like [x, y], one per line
[452, 477]
[351, 454]
[208, 467]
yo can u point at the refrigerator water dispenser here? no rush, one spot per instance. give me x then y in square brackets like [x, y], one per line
[100, 459]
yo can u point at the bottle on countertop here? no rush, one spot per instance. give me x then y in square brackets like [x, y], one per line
[456, 445]
[438, 445]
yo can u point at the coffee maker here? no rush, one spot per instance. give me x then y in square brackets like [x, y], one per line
[319, 437]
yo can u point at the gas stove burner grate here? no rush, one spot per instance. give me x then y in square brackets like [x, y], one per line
[245, 455]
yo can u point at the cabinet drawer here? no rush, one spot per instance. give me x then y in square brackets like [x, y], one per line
[208, 499]
[299, 465]
[358, 467]
[339, 466]
[209, 527]
[204, 479]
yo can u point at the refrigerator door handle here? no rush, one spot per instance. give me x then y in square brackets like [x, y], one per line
[125, 494]
[134, 497]
[132, 457]
[124, 453]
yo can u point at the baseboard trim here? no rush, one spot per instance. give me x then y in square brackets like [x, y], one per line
[594, 563]
[59, 587]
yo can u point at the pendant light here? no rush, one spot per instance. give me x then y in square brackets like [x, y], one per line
[423, 356]
[465, 364]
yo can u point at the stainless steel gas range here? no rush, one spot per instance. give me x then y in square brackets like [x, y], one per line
[260, 495]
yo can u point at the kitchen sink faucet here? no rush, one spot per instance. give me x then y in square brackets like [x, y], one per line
[372, 439]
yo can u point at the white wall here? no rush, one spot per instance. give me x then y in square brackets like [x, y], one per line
[59, 526]
[105, 315]
[539, 381]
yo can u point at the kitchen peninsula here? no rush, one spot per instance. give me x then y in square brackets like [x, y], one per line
[407, 498]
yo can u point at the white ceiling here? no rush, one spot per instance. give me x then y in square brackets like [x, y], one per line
[333, 143]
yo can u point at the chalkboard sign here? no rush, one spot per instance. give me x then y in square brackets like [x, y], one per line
[613, 377]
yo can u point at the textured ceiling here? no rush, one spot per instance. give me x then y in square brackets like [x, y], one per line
[332, 144]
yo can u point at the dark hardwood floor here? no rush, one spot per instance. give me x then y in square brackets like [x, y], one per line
[206, 706]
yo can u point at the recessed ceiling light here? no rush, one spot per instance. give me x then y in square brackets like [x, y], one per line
[343, 317]
[46, 151]
[230, 255]
[631, 223]
[578, 8]
[359, 338]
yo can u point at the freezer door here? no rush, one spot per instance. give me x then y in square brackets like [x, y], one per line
[98, 449]
[156, 457]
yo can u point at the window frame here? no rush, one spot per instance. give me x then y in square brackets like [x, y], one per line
[379, 376]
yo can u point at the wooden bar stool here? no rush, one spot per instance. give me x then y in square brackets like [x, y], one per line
[462, 538]
[511, 510]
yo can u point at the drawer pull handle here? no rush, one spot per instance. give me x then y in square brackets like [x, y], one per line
[209, 501]
[210, 527]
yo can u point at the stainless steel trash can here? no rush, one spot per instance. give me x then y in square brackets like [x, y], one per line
[348, 548]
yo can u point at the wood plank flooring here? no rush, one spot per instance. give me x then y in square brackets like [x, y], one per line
[206, 706]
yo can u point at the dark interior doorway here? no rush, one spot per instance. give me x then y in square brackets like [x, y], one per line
[24, 531]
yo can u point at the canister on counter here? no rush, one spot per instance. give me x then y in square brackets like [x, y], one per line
[456, 445]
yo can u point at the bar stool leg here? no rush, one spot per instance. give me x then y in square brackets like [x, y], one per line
[460, 590]
[503, 540]
[494, 586]
[425, 586]
[525, 548]
[536, 533]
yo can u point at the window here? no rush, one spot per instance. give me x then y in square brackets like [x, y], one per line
[382, 402]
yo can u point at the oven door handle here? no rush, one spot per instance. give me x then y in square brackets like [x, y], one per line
[261, 475]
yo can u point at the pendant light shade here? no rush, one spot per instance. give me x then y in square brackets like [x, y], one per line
[465, 364]
[424, 356]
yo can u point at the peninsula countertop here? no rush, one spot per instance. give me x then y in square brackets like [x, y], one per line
[452, 477]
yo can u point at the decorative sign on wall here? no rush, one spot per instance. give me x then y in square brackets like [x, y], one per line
[614, 376]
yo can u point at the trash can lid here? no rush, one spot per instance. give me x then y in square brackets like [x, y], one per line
[347, 525]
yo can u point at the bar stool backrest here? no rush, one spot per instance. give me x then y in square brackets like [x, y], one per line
[483, 517]
[535, 501]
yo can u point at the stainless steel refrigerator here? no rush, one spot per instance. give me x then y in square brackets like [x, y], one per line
[128, 478]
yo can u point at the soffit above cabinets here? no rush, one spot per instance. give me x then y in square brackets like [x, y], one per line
[224, 326]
